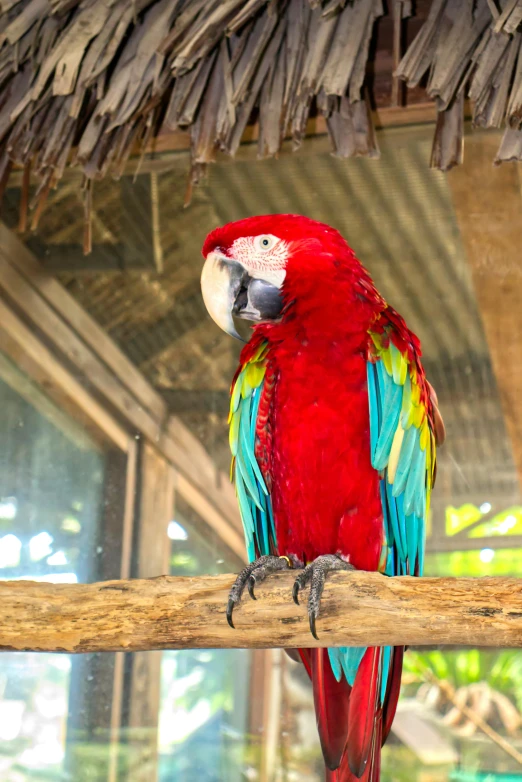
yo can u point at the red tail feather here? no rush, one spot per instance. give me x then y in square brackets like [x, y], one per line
[352, 724]
[373, 767]
[332, 703]
[305, 657]
[363, 706]
[392, 692]
[376, 751]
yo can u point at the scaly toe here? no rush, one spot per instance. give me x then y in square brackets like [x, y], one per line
[301, 581]
[317, 572]
[250, 576]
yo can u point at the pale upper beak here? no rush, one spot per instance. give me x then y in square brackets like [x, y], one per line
[229, 290]
[220, 284]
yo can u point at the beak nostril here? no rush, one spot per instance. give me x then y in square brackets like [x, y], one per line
[241, 301]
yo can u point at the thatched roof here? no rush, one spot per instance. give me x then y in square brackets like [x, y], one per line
[87, 83]
[101, 76]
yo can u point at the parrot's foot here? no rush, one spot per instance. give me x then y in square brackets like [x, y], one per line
[316, 573]
[253, 574]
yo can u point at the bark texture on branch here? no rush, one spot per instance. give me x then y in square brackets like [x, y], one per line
[171, 613]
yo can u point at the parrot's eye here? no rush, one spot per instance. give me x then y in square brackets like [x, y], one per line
[264, 243]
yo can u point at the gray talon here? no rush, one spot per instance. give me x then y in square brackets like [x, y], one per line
[250, 576]
[316, 572]
[230, 608]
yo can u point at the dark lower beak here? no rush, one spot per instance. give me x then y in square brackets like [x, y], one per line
[257, 301]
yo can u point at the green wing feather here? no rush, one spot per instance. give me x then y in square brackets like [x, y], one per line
[253, 497]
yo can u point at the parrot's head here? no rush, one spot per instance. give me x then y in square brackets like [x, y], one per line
[255, 267]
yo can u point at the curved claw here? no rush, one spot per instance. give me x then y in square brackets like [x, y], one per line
[295, 592]
[315, 573]
[255, 572]
[312, 627]
[230, 607]
[250, 586]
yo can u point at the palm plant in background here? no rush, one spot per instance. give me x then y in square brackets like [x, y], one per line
[467, 687]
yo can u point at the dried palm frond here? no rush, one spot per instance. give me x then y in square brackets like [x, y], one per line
[470, 49]
[83, 82]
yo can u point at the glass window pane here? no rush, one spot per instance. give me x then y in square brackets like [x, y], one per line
[51, 486]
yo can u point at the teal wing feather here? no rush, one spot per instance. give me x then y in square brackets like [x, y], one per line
[403, 452]
[253, 497]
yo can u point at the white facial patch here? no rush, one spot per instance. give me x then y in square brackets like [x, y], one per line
[262, 264]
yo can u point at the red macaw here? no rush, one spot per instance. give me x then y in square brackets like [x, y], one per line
[333, 427]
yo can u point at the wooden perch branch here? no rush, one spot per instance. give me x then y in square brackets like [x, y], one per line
[171, 613]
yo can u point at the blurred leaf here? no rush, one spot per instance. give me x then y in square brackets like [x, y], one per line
[458, 519]
[508, 522]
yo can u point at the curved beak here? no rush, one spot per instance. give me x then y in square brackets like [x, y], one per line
[228, 290]
[220, 284]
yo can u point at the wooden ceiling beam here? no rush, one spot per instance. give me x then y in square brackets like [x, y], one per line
[200, 400]
[186, 313]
